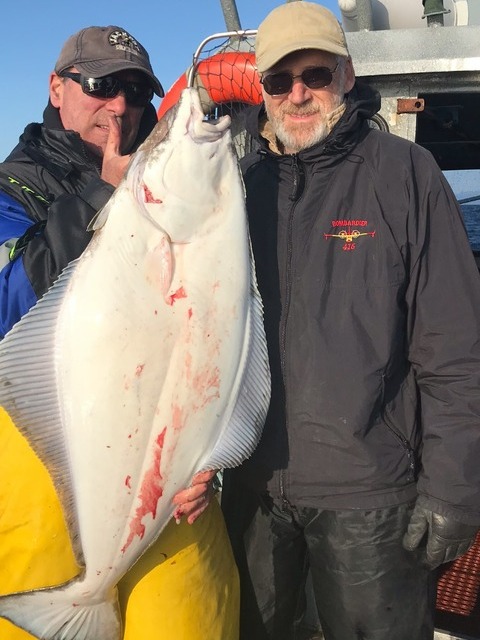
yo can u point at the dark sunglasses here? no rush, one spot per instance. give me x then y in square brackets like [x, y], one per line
[277, 84]
[137, 94]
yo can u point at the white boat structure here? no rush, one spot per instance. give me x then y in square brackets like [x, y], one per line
[424, 59]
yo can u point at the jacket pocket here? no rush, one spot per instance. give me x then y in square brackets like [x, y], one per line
[399, 414]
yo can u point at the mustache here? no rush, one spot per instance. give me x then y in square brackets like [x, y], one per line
[301, 110]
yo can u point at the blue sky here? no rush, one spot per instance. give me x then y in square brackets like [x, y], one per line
[33, 34]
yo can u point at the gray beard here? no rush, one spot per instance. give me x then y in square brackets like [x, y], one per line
[289, 140]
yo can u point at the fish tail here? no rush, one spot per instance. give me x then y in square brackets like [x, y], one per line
[64, 614]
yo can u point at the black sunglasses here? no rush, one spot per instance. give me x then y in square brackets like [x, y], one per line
[137, 94]
[277, 84]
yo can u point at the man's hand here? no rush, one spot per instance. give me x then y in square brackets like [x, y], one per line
[193, 501]
[447, 538]
[114, 164]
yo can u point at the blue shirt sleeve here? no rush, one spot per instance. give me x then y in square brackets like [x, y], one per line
[16, 292]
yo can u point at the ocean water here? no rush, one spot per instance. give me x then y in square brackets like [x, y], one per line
[471, 216]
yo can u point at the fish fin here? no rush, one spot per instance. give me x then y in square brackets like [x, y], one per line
[100, 218]
[244, 429]
[28, 392]
[59, 614]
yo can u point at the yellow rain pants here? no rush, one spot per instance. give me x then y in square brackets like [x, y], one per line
[185, 587]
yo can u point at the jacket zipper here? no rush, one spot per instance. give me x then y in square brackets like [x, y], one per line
[288, 290]
[408, 450]
[402, 440]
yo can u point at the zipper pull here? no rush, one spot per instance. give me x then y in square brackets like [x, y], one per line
[296, 178]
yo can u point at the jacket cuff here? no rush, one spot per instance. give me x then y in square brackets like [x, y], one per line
[461, 514]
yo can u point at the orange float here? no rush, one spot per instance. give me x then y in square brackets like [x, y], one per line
[225, 77]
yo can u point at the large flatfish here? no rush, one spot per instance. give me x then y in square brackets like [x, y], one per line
[145, 363]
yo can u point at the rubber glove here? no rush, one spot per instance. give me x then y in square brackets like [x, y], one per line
[447, 538]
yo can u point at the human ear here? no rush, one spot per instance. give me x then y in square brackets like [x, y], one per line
[349, 75]
[55, 89]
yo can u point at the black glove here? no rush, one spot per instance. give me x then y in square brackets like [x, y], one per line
[447, 538]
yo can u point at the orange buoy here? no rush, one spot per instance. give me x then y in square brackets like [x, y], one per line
[224, 77]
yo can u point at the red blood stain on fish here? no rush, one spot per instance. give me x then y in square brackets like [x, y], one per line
[128, 482]
[139, 369]
[177, 417]
[179, 293]
[149, 196]
[205, 382]
[150, 493]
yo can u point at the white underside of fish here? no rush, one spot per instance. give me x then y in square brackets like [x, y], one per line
[145, 363]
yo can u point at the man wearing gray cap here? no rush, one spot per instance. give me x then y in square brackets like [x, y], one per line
[367, 472]
[65, 169]
[51, 185]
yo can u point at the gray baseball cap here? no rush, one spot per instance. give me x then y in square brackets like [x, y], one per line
[99, 51]
[294, 26]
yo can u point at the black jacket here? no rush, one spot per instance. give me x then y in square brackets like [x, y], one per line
[372, 313]
[51, 175]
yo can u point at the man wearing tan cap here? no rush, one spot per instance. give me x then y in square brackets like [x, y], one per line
[367, 473]
[51, 186]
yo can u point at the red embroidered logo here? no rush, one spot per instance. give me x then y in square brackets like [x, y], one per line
[349, 232]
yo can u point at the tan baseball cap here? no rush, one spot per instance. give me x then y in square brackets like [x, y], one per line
[99, 51]
[294, 26]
